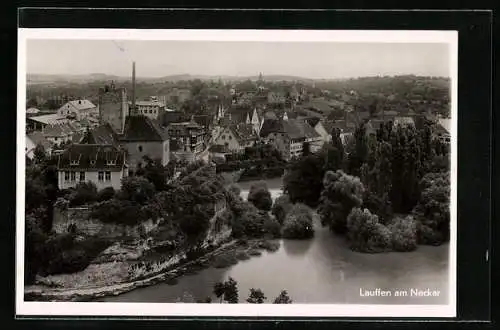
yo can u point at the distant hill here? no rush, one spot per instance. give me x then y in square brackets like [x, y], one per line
[55, 79]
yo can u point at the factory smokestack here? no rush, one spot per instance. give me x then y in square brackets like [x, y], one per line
[133, 112]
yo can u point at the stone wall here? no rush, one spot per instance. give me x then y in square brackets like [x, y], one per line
[80, 217]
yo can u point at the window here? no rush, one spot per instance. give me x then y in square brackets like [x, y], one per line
[110, 162]
[55, 138]
[223, 137]
[66, 176]
[139, 148]
[100, 176]
[230, 137]
[92, 162]
[74, 162]
[82, 176]
[108, 176]
[73, 176]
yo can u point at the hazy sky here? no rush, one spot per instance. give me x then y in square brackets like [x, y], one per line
[162, 58]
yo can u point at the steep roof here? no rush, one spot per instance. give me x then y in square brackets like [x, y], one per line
[238, 114]
[103, 134]
[313, 121]
[91, 156]
[37, 138]
[271, 126]
[79, 105]
[299, 129]
[142, 128]
[243, 132]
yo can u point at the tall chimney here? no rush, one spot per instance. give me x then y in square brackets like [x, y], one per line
[133, 89]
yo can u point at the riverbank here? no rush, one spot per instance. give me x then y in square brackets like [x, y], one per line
[226, 255]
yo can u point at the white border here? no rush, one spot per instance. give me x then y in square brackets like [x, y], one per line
[179, 309]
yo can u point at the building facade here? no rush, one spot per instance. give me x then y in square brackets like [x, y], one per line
[77, 109]
[103, 165]
[151, 109]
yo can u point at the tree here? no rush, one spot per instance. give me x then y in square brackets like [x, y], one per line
[358, 155]
[227, 291]
[155, 172]
[298, 223]
[341, 194]
[303, 181]
[39, 155]
[256, 296]
[365, 233]
[433, 209]
[283, 298]
[260, 196]
[281, 207]
[136, 189]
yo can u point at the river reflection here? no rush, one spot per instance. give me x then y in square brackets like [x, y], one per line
[320, 270]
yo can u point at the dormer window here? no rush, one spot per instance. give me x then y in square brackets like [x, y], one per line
[74, 162]
[110, 162]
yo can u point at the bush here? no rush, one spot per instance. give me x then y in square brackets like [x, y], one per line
[365, 233]
[298, 223]
[404, 234]
[272, 227]
[106, 194]
[136, 189]
[281, 207]
[380, 206]
[119, 212]
[84, 193]
[260, 196]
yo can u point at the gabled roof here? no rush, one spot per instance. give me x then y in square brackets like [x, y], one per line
[103, 134]
[91, 157]
[38, 139]
[271, 126]
[313, 121]
[297, 129]
[142, 128]
[243, 132]
[79, 105]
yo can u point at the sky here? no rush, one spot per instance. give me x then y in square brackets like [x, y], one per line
[316, 60]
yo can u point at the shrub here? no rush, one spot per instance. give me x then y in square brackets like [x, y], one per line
[106, 194]
[84, 193]
[365, 233]
[136, 189]
[260, 196]
[118, 211]
[283, 298]
[281, 207]
[298, 223]
[380, 206]
[271, 226]
[404, 234]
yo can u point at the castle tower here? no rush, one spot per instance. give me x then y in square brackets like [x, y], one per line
[113, 107]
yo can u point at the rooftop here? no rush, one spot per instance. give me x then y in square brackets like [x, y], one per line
[52, 119]
[142, 128]
[91, 156]
[79, 105]
[38, 139]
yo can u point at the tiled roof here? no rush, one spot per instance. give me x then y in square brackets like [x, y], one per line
[170, 117]
[52, 119]
[78, 105]
[103, 134]
[313, 121]
[299, 129]
[55, 131]
[270, 126]
[32, 110]
[38, 138]
[142, 128]
[91, 156]
[238, 114]
[243, 132]
[203, 120]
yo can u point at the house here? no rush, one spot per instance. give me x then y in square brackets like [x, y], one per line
[276, 98]
[218, 153]
[31, 111]
[403, 121]
[151, 109]
[103, 165]
[289, 136]
[39, 123]
[32, 140]
[77, 109]
[318, 126]
[143, 136]
[442, 130]
[237, 137]
[187, 140]
[58, 134]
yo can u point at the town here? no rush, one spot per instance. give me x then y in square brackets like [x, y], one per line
[130, 184]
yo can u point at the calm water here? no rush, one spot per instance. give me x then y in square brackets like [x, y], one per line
[320, 270]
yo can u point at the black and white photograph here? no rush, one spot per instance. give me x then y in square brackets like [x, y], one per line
[236, 173]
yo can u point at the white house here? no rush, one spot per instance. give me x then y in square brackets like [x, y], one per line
[78, 108]
[103, 165]
[237, 137]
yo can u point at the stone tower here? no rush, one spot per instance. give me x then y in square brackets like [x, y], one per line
[113, 107]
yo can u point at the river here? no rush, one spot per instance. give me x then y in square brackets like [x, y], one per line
[320, 270]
